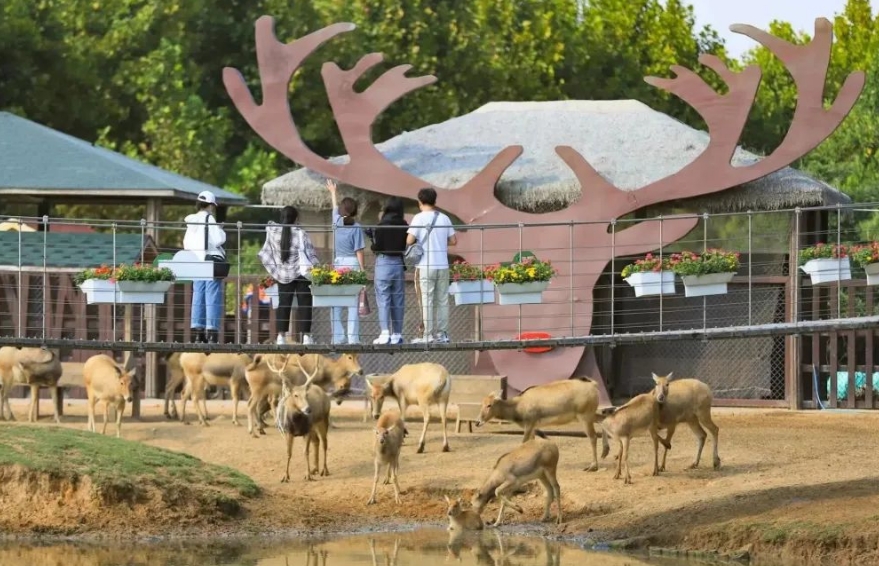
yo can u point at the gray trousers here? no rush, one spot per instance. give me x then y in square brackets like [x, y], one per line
[434, 286]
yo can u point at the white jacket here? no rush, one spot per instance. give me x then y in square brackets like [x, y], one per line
[193, 240]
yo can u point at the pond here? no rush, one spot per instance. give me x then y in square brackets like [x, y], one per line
[432, 547]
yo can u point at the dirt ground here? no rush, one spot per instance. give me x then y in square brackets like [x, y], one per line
[793, 485]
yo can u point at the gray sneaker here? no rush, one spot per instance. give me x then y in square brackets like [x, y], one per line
[442, 338]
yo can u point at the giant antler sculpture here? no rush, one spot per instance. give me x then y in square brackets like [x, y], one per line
[712, 171]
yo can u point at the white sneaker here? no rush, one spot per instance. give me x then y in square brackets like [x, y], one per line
[306, 339]
[396, 338]
[383, 338]
[280, 339]
[423, 340]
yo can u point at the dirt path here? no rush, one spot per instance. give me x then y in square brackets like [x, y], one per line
[798, 484]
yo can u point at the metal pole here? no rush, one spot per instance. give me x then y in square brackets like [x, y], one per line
[22, 312]
[519, 320]
[113, 228]
[750, 266]
[238, 295]
[480, 313]
[613, 272]
[838, 262]
[704, 249]
[795, 266]
[46, 288]
[571, 278]
[660, 273]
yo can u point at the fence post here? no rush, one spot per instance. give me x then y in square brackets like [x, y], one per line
[46, 287]
[793, 391]
[149, 319]
[704, 249]
[661, 294]
[750, 266]
[571, 278]
[613, 273]
[238, 295]
[22, 305]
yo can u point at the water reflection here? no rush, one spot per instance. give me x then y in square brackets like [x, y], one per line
[418, 548]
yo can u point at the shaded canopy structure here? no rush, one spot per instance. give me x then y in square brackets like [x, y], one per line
[628, 143]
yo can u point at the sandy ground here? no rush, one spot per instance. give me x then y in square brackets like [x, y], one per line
[786, 479]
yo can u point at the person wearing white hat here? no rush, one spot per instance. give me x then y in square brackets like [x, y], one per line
[205, 238]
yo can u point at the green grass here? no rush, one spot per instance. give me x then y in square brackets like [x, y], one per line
[114, 463]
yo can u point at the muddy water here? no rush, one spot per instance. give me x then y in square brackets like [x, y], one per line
[418, 548]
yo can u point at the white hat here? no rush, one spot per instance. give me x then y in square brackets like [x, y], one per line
[207, 196]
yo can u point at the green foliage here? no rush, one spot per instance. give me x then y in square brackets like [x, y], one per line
[143, 273]
[102, 273]
[705, 263]
[110, 461]
[328, 275]
[650, 263]
[823, 251]
[464, 271]
[527, 270]
[864, 255]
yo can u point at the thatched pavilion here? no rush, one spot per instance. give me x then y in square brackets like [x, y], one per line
[630, 145]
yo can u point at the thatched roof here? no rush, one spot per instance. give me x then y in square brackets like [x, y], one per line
[629, 143]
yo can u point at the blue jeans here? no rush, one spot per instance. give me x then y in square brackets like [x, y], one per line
[207, 304]
[353, 314]
[390, 292]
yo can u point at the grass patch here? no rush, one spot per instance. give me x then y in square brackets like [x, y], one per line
[111, 462]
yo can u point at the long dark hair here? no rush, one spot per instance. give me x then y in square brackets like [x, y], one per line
[289, 214]
[394, 207]
[348, 210]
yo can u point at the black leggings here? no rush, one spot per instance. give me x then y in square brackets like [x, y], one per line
[300, 288]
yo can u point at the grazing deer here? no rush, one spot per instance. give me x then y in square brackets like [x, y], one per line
[389, 433]
[304, 410]
[106, 381]
[536, 459]
[425, 383]
[639, 415]
[555, 403]
[685, 401]
[461, 519]
[35, 367]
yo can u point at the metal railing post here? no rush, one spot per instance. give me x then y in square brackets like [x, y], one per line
[613, 273]
[750, 267]
[46, 287]
[238, 295]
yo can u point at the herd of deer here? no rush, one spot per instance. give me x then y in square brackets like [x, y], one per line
[299, 389]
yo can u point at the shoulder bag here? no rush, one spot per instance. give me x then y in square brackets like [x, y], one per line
[415, 252]
[221, 264]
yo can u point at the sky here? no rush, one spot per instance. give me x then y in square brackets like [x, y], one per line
[720, 14]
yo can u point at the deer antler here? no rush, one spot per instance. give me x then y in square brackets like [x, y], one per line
[725, 115]
[355, 112]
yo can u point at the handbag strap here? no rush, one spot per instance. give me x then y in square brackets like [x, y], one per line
[432, 222]
[207, 217]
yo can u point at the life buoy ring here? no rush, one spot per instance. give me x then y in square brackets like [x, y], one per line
[535, 336]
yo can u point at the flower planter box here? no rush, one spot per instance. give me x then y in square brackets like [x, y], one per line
[98, 291]
[827, 270]
[186, 266]
[652, 283]
[872, 271]
[272, 293]
[711, 284]
[521, 293]
[335, 295]
[142, 292]
[472, 292]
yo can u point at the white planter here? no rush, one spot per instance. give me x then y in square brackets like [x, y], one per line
[827, 270]
[472, 292]
[521, 293]
[186, 266]
[142, 292]
[98, 291]
[652, 283]
[335, 295]
[711, 284]
[872, 271]
[272, 293]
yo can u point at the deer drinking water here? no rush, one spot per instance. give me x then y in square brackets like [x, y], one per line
[686, 401]
[555, 403]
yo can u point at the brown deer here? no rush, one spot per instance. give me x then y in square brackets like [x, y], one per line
[304, 410]
[461, 519]
[536, 459]
[554, 403]
[686, 401]
[35, 367]
[639, 415]
[594, 214]
[425, 383]
[390, 430]
[220, 370]
[106, 381]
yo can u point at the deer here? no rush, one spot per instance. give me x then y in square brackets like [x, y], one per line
[390, 430]
[686, 401]
[534, 460]
[219, 370]
[304, 410]
[106, 381]
[639, 415]
[594, 216]
[461, 519]
[35, 367]
[425, 384]
[555, 403]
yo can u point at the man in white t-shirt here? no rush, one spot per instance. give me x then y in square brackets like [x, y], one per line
[433, 269]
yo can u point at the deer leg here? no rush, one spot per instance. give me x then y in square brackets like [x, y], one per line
[426, 413]
[528, 433]
[91, 412]
[654, 435]
[701, 435]
[289, 438]
[235, 391]
[619, 459]
[387, 480]
[624, 455]
[501, 493]
[54, 391]
[251, 410]
[395, 463]
[670, 432]
[184, 396]
[35, 399]
[322, 433]
[308, 476]
[444, 407]
[371, 499]
[120, 408]
[589, 426]
[548, 493]
[198, 395]
[106, 416]
[556, 492]
[4, 402]
[708, 423]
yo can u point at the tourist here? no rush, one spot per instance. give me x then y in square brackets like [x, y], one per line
[434, 232]
[288, 255]
[205, 238]
[349, 244]
[389, 243]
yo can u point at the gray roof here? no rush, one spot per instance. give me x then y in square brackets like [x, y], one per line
[626, 141]
[72, 250]
[36, 160]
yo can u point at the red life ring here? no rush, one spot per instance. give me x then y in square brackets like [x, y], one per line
[535, 336]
